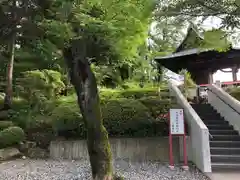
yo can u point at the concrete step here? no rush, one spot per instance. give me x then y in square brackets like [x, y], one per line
[210, 116]
[225, 158]
[201, 105]
[207, 122]
[225, 167]
[205, 111]
[225, 150]
[208, 112]
[213, 119]
[219, 127]
[226, 137]
[229, 144]
[223, 132]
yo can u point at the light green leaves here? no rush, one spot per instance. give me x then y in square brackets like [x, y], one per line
[216, 39]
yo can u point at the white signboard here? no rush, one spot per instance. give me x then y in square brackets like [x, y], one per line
[176, 122]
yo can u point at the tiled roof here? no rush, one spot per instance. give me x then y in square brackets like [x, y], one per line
[183, 53]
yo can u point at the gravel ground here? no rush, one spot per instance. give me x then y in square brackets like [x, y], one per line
[80, 170]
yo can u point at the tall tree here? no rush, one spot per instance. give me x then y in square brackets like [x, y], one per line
[11, 15]
[14, 16]
[105, 32]
[228, 11]
[166, 34]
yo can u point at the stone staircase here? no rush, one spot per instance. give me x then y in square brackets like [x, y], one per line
[224, 140]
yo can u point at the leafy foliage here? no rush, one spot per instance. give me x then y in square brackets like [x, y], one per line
[11, 136]
[166, 35]
[235, 92]
[135, 93]
[67, 120]
[198, 11]
[37, 85]
[124, 117]
[62, 117]
[5, 124]
[217, 39]
[226, 10]
[156, 106]
[189, 82]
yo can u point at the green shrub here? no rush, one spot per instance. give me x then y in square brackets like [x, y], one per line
[67, 119]
[234, 92]
[130, 85]
[39, 85]
[25, 115]
[5, 124]
[156, 106]
[121, 117]
[40, 131]
[11, 136]
[108, 94]
[127, 117]
[139, 93]
[106, 76]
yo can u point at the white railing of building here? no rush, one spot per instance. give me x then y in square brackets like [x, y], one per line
[225, 104]
[199, 134]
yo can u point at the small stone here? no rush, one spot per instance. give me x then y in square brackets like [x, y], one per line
[24, 157]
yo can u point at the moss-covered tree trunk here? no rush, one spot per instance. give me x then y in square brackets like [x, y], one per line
[84, 81]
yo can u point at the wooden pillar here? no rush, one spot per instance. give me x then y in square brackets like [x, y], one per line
[210, 76]
[234, 73]
[203, 77]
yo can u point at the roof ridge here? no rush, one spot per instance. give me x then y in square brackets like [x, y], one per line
[191, 27]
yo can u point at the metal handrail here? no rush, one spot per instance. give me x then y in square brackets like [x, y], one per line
[211, 136]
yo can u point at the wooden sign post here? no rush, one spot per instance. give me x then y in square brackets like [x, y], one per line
[177, 128]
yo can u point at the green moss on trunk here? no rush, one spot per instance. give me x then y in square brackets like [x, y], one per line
[99, 153]
[85, 85]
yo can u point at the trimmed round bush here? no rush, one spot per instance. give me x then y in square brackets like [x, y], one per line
[127, 117]
[67, 120]
[5, 124]
[11, 136]
[121, 117]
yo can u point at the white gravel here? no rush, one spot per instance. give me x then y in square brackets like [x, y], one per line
[80, 170]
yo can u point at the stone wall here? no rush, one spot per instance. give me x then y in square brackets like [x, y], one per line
[133, 149]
